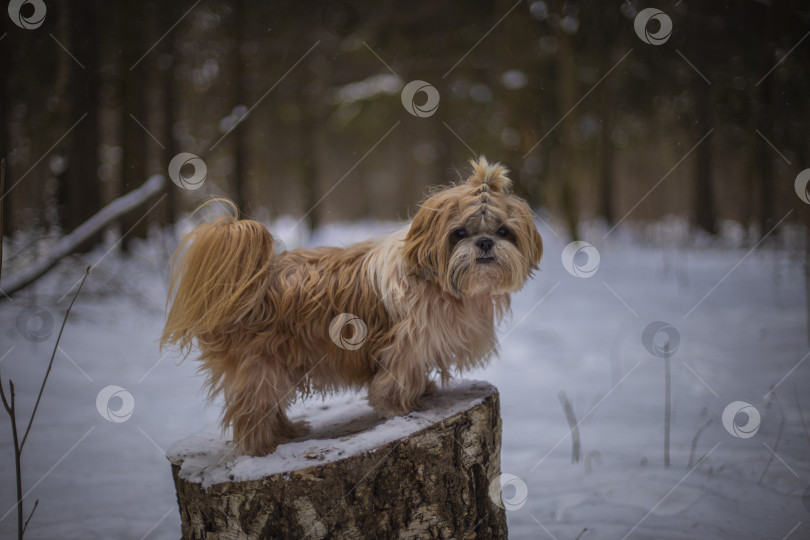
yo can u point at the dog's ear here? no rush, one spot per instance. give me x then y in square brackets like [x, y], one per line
[419, 247]
[527, 238]
[426, 244]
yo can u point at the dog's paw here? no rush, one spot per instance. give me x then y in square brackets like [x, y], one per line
[390, 411]
[300, 428]
[430, 388]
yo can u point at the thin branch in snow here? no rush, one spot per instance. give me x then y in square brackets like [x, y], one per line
[695, 441]
[778, 438]
[36, 503]
[581, 533]
[572, 423]
[53, 355]
[11, 409]
[591, 456]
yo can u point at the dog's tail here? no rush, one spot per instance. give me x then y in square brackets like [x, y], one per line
[219, 276]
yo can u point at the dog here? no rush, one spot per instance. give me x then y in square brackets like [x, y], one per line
[386, 315]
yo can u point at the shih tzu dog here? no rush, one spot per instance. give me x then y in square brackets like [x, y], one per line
[383, 314]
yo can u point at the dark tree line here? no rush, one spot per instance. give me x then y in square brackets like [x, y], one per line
[119, 89]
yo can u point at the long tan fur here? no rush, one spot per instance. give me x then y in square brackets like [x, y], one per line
[270, 326]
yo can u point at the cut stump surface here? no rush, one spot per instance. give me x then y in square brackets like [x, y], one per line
[354, 475]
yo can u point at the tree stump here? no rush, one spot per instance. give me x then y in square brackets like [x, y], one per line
[354, 475]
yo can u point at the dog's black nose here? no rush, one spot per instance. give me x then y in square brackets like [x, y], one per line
[484, 244]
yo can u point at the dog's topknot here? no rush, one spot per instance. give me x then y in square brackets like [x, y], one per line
[489, 176]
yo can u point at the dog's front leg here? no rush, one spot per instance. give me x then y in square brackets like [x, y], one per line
[397, 385]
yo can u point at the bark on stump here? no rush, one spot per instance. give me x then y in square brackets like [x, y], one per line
[425, 475]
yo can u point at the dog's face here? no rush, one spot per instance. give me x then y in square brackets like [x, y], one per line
[475, 238]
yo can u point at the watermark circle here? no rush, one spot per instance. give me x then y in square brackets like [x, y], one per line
[31, 22]
[801, 185]
[116, 415]
[357, 331]
[573, 252]
[641, 25]
[408, 96]
[751, 426]
[35, 323]
[498, 491]
[652, 337]
[178, 171]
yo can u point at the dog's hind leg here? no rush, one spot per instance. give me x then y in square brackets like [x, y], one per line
[255, 405]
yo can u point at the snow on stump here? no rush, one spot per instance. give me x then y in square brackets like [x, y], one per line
[354, 475]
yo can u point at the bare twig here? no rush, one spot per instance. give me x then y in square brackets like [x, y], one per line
[593, 455]
[581, 533]
[778, 438]
[36, 503]
[53, 355]
[3, 396]
[11, 409]
[695, 441]
[17, 464]
[572, 423]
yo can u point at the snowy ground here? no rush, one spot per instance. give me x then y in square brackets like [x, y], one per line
[100, 479]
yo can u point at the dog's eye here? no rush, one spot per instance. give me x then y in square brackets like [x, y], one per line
[506, 234]
[458, 234]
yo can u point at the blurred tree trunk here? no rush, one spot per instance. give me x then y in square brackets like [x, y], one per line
[608, 47]
[802, 149]
[239, 135]
[605, 144]
[566, 95]
[80, 190]
[308, 145]
[64, 79]
[705, 211]
[5, 138]
[764, 153]
[169, 109]
[309, 164]
[807, 272]
[765, 160]
[450, 154]
[2, 187]
[749, 182]
[133, 138]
